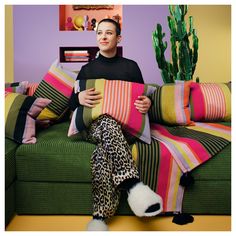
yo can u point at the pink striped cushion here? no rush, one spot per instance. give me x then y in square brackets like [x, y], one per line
[57, 85]
[118, 99]
[210, 102]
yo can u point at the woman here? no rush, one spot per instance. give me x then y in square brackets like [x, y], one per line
[113, 168]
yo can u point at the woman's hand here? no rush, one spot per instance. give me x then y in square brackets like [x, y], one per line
[143, 104]
[89, 98]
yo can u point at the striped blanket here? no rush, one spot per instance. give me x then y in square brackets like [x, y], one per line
[174, 151]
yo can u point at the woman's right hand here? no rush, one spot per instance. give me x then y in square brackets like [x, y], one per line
[89, 98]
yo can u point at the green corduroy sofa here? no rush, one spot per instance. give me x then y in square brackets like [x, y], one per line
[53, 177]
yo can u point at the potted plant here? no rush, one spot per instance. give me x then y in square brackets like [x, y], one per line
[184, 56]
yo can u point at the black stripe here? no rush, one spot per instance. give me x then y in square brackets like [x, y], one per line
[148, 163]
[213, 144]
[79, 118]
[59, 101]
[21, 118]
[82, 85]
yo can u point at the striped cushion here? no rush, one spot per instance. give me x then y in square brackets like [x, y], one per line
[20, 114]
[16, 87]
[57, 85]
[117, 101]
[210, 102]
[31, 88]
[171, 104]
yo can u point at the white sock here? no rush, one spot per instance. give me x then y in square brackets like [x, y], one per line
[97, 225]
[141, 197]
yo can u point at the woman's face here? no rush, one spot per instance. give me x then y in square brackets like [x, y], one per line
[106, 38]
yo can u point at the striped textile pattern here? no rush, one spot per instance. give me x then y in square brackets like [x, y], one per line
[31, 88]
[57, 85]
[118, 99]
[171, 104]
[210, 102]
[174, 151]
[17, 87]
[20, 114]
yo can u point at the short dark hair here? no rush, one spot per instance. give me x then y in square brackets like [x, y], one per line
[115, 23]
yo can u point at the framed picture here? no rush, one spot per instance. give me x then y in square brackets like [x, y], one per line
[92, 7]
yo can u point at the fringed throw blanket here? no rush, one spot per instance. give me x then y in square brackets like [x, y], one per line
[174, 151]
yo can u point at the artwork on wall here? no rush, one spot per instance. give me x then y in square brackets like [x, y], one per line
[92, 7]
[86, 17]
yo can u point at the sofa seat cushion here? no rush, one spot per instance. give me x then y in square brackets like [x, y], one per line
[10, 166]
[54, 157]
[216, 168]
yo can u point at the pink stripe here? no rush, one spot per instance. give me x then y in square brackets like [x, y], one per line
[135, 120]
[58, 84]
[179, 104]
[197, 102]
[29, 131]
[164, 174]
[200, 153]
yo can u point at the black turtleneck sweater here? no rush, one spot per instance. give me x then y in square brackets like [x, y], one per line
[115, 68]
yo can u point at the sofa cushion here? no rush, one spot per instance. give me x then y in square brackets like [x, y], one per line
[55, 157]
[57, 85]
[210, 101]
[20, 114]
[31, 88]
[118, 99]
[170, 104]
[10, 165]
[17, 87]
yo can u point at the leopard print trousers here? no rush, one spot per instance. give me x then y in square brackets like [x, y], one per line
[111, 163]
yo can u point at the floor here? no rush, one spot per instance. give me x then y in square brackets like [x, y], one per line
[118, 223]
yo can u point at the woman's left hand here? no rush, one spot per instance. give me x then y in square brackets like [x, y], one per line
[143, 104]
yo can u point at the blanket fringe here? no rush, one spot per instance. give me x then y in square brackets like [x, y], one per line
[182, 218]
[186, 179]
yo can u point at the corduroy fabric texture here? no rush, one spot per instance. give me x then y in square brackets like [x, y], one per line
[54, 178]
[55, 157]
[10, 166]
[9, 203]
[205, 197]
[53, 198]
[208, 197]
[217, 168]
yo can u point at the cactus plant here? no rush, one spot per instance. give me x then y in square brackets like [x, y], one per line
[184, 57]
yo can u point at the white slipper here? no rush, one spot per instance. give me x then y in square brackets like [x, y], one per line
[141, 197]
[97, 225]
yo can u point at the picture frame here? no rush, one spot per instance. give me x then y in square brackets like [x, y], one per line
[92, 7]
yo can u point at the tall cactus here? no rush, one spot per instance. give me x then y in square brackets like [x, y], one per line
[184, 58]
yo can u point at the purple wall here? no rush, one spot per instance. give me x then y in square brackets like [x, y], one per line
[37, 39]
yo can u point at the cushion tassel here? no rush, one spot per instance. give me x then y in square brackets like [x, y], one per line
[186, 179]
[182, 218]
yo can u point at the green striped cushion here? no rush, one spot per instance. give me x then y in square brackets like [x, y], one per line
[170, 104]
[20, 114]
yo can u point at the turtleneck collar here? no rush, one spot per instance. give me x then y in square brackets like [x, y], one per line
[107, 59]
